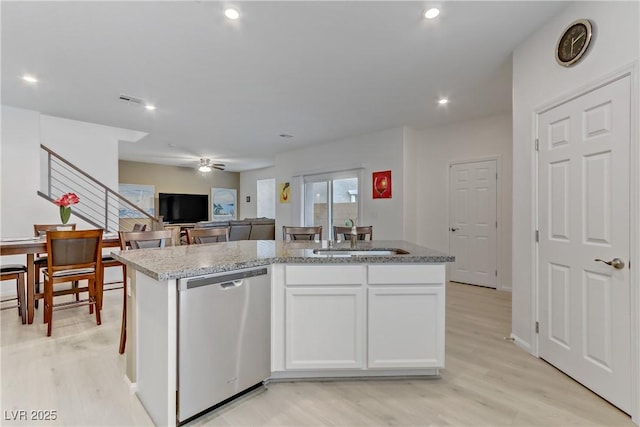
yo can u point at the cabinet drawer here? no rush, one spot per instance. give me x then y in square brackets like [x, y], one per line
[406, 274]
[324, 274]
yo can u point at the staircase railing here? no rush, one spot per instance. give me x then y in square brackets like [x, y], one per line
[99, 205]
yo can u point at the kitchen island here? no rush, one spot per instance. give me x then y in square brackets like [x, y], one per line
[330, 313]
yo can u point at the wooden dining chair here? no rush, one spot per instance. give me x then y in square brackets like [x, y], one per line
[344, 233]
[207, 235]
[16, 272]
[301, 233]
[138, 240]
[72, 256]
[40, 260]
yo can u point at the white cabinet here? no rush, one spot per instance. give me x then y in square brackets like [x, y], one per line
[357, 320]
[324, 328]
[405, 327]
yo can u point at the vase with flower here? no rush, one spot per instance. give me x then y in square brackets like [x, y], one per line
[65, 201]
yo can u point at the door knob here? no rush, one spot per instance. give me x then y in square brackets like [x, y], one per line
[454, 229]
[616, 263]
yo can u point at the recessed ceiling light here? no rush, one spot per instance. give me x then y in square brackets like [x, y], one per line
[443, 101]
[232, 14]
[150, 107]
[29, 79]
[432, 13]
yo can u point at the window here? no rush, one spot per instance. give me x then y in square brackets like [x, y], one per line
[331, 199]
[266, 198]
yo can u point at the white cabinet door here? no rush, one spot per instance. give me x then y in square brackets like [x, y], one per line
[324, 328]
[406, 327]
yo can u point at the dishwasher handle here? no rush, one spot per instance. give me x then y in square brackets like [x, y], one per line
[232, 284]
[225, 281]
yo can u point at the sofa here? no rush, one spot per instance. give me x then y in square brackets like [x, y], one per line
[245, 229]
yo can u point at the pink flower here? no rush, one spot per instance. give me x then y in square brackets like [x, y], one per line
[67, 199]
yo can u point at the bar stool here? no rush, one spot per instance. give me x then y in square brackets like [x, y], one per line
[16, 272]
[138, 240]
[73, 256]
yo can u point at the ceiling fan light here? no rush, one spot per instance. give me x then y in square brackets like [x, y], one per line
[205, 165]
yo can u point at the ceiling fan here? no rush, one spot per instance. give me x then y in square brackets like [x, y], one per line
[206, 165]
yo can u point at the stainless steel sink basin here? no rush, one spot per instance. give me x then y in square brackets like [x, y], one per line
[359, 252]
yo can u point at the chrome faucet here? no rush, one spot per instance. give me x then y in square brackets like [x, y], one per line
[354, 234]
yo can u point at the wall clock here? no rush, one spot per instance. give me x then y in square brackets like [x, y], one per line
[573, 42]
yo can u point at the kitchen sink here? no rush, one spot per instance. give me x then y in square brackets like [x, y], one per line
[359, 252]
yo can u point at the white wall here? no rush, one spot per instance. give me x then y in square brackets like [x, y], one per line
[20, 153]
[91, 147]
[538, 80]
[429, 154]
[373, 152]
[248, 187]
[419, 161]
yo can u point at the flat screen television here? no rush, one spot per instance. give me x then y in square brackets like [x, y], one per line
[179, 208]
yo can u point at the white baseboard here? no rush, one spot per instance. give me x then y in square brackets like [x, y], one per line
[133, 387]
[327, 375]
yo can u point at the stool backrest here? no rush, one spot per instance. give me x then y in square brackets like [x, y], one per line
[145, 239]
[40, 229]
[72, 250]
[301, 233]
[207, 235]
[344, 233]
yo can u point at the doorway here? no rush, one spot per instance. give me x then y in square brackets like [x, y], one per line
[473, 222]
[584, 245]
[331, 200]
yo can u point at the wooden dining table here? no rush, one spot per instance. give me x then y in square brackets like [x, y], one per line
[30, 246]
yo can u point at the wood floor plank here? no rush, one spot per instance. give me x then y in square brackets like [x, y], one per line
[488, 381]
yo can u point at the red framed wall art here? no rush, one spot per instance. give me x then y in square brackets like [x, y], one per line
[381, 185]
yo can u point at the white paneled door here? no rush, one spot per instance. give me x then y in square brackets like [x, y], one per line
[583, 250]
[473, 223]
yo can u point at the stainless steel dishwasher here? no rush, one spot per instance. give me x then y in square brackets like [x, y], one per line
[224, 338]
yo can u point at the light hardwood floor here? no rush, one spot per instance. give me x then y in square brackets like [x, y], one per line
[488, 381]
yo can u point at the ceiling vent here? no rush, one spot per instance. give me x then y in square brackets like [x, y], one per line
[131, 100]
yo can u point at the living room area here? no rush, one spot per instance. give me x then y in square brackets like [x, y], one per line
[186, 197]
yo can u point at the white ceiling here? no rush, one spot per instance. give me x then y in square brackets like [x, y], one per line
[226, 90]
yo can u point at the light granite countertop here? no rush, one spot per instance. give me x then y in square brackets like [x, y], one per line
[177, 262]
